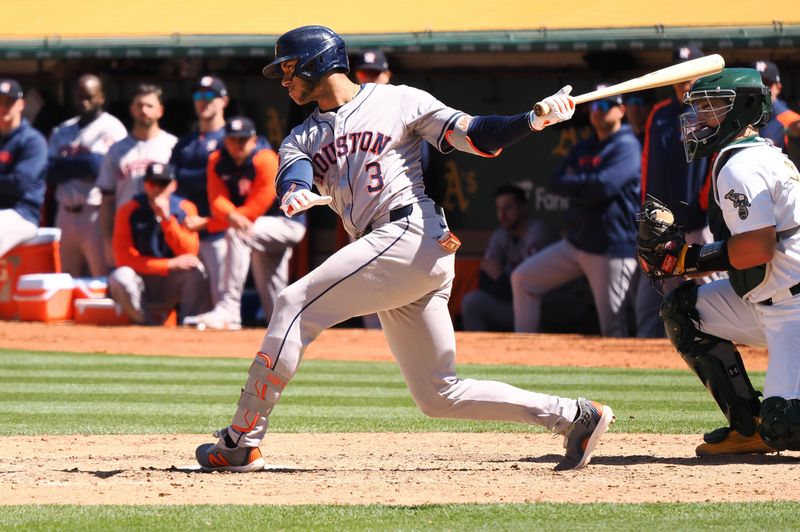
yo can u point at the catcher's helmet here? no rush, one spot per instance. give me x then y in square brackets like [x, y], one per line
[723, 105]
[319, 50]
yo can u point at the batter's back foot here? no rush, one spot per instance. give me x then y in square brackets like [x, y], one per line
[583, 435]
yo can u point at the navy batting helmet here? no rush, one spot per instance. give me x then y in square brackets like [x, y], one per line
[318, 49]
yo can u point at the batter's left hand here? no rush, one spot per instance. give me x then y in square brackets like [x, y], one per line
[561, 106]
[295, 201]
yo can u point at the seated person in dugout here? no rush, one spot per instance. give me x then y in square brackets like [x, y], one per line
[157, 256]
[490, 308]
[754, 215]
[241, 193]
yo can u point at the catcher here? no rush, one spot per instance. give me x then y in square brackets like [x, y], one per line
[754, 214]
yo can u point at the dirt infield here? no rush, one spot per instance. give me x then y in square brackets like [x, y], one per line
[377, 468]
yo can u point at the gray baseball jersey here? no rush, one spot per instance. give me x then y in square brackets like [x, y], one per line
[70, 138]
[368, 157]
[124, 166]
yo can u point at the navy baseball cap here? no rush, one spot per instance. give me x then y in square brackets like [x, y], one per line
[372, 60]
[686, 52]
[11, 88]
[213, 84]
[239, 126]
[769, 72]
[159, 172]
[612, 100]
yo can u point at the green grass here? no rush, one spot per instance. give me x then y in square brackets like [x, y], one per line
[56, 393]
[543, 516]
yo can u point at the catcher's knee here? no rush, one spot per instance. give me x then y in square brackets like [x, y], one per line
[716, 361]
[780, 423]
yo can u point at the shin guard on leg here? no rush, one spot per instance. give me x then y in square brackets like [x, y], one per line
[716, 361]
[258, 398]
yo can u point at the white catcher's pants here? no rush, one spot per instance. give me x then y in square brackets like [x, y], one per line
[401, 272]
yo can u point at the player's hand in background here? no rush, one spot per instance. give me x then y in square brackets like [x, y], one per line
[295, 201]
[183, 262]
[561, 107]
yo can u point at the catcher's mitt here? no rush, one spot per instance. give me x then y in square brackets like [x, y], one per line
[661, 245]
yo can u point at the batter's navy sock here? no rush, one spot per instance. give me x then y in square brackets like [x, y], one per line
[229, 443]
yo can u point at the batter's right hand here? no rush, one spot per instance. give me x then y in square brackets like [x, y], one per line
[561, 106]
[183, 262]
[295, 201]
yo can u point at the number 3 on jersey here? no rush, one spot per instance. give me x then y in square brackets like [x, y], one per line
[375, 177]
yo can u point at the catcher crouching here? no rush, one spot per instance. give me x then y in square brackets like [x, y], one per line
[754, 214]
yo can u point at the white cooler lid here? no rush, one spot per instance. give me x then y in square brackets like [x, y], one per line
[45, 281]
[44, 235]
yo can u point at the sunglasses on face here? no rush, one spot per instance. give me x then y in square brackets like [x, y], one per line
[603, 106]
[204, 96]
[635, 100]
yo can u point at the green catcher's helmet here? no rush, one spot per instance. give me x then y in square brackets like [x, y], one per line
[723, 105]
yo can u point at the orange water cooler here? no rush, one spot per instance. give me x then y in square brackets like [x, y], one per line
[44, 297]
[103, 311]
[38, 255]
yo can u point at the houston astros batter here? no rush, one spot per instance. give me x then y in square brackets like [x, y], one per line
[361, 148]
[754, 214]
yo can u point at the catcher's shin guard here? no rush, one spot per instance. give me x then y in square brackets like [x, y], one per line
[259, 396]
[780, 423]
[716, 361]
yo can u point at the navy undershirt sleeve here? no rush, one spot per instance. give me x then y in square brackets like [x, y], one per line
[299, 173]
[490, 133]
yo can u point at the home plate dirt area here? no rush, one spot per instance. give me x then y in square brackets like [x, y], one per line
[385, 468]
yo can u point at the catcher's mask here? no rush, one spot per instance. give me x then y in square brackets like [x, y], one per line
[722, 106]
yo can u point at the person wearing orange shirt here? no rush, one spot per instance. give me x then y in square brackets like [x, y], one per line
[156, 254]
[242, 197]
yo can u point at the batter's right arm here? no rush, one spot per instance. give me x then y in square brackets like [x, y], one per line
[294, 186]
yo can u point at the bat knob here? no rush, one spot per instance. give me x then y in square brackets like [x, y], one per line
[541, 109]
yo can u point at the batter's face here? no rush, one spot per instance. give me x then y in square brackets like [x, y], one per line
[300, 90]
[239, 148]
[146, 110]
[510, 212]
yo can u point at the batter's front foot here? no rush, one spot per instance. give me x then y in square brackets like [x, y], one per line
[222, 456]
[583, 435]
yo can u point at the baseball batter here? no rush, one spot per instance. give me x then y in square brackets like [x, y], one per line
[361, 148]
[76, 151]
[754, 213]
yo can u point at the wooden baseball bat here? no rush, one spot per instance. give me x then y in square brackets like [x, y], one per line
[696, 68]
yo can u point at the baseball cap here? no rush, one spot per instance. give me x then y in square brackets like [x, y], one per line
[11, 88]
[239, 126]
[213, 84]
[606, 103]
[686, 52]
[769, 72]
[372, 60]
[159, 172]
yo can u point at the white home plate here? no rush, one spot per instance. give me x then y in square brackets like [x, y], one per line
[285, 468]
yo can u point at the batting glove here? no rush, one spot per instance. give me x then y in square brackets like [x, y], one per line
[561, 107]
[295, 201]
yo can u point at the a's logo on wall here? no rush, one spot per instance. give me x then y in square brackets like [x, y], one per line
[739, 201]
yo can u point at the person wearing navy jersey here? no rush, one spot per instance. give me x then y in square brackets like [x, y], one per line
[190, 161]
[784, 123]
[600, 176]
[23, 163]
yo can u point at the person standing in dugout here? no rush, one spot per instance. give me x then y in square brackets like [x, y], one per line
[77, 148]
[241, 195]
[754, 214]
[361, 148]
